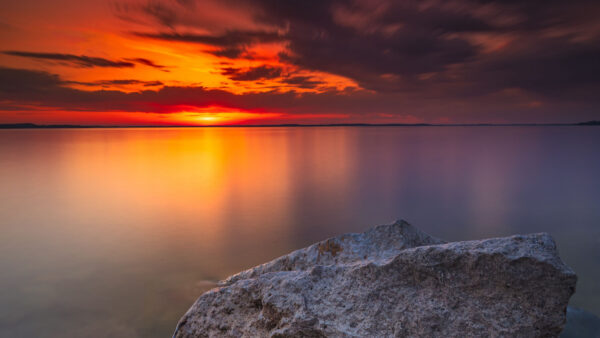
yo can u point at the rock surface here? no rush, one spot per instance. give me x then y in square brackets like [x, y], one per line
[393, 280]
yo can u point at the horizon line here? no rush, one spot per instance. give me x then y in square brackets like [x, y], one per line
[99, 126]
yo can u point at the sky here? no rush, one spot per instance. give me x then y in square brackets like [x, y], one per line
[214, 62]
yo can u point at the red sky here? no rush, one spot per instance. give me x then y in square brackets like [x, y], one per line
[154, 62]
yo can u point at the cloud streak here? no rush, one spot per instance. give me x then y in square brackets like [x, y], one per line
[148, 63]
[231, 44]
[228, 39]
[76, 60]
[110, 83]
[86, 61]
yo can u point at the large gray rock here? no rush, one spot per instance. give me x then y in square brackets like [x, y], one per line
[393, 280]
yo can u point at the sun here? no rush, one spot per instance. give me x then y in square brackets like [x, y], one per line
[209, 119]
[216, 116]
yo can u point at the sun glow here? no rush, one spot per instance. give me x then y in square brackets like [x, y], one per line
[215, 115]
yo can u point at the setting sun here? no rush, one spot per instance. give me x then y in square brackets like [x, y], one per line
[215, 115]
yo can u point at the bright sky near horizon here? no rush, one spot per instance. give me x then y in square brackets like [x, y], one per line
[154, 62]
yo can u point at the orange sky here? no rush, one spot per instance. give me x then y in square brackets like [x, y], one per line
[94, 28]
[148, 62]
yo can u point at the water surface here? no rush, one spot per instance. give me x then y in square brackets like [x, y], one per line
[115, 232]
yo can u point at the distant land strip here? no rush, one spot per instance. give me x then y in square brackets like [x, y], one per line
[71, 126]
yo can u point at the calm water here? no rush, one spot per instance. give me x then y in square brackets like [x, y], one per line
[115, 232]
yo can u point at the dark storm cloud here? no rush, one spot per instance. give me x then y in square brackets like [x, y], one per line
[401, 46]
[376, 59]
[406, 41]
[345, 38]
[252, 74]
[77, 60]
[552, 68]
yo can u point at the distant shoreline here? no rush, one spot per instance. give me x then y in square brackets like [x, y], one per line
[75, 126]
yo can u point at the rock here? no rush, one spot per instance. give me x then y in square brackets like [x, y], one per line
[393, 280]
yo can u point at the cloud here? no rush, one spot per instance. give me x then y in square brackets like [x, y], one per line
[401, 46]
[302, 82]
[252, 74]
[229, 52]
[394, 45]
[77, 60]
[465, 60]
[39, 88]
[552, 68]
[228, 39]
[374, 42]
[232, 44]
[161, 12]
[17, 81]
[86, 61]
[149, 63]
[215, 16]
[126, 82]
[266, 72]
[21, 87]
